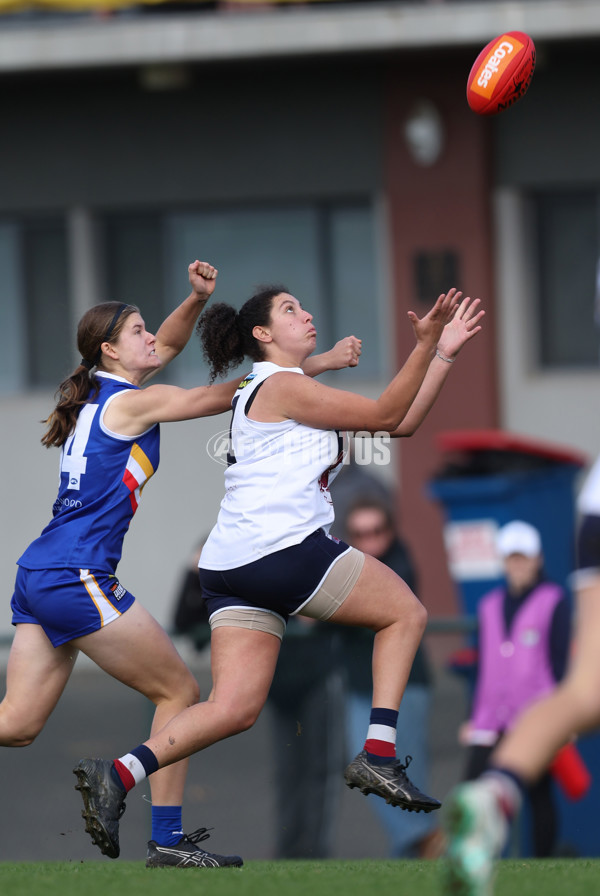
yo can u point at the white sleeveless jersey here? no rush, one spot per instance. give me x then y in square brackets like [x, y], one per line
[276, 484]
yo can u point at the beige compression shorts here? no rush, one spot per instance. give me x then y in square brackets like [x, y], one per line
[340, 579]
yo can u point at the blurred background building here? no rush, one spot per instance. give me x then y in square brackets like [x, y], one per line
[325, 144]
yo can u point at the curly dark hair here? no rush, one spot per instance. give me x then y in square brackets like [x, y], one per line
[226, 334]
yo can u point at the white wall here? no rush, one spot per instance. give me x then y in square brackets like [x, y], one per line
[562, 408]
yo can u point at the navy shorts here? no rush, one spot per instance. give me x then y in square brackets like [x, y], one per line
[68, 603]
[281, 582]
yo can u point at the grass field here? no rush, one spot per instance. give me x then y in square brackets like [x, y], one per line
[560, 877]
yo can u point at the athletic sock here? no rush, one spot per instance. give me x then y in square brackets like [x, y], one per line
[380, 745]
[132, 768]
[509, 788]
[166, 825]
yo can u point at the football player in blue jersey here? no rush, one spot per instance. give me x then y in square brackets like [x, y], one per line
[67, 596]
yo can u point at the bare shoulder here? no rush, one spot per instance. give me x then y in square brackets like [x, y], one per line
[287, 379]
[278, 396]
[126, 412]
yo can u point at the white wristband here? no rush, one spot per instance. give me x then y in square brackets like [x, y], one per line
[443, 357]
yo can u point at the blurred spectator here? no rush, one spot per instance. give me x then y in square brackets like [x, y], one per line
[190, 616]
[369, 525]
[524, 638]
[307, 715]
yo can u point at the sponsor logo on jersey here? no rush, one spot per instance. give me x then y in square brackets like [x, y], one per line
[245, 382]
[62, 503]
[117, 590]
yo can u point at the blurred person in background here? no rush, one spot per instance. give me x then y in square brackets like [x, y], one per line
[524, 635]
[190, 616]
[480, 812]
[306, 703]
[369, 525]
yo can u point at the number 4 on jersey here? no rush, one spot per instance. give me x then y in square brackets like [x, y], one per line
[73, 461]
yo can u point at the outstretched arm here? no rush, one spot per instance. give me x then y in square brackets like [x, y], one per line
[344, 353]
[134, 411]
[463, 326]
[175, 331]
[290, 396]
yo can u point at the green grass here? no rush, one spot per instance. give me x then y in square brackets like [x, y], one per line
[560, 877]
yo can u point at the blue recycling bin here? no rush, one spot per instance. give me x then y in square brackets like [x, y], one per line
[489, 478]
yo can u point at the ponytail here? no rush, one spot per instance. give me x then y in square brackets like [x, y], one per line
[221, 339]
[71, 394]
[102, 323]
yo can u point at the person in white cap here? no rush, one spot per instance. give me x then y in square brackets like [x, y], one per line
[479, 812]
[524, 636]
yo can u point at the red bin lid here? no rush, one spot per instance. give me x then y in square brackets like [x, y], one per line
[472, 440]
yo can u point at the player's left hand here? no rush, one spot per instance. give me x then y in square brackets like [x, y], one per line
[345, 353]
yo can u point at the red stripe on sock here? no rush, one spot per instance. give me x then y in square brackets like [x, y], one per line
[125, 775]
[380, 748]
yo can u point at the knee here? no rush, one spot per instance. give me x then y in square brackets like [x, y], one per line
[20, 740]
[419, 617]
[191, 691]
[241, 718]
[18, 737]
[182, 689]
[15, 730]
[244, 719]
[585, 698]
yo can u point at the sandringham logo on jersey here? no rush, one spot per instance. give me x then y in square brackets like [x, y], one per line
[493, 67]
[368, 449]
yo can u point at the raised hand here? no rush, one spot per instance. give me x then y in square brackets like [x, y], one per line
[345, 353]
[429, 329]
[464, 325]
[203, 278]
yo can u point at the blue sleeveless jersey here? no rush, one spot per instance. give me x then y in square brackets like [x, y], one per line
[101, 478]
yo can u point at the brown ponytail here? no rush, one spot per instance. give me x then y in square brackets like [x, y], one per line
[100, 324]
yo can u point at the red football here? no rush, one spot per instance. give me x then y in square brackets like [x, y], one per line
[501, 73]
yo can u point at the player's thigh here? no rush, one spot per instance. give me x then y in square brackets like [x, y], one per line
[243, 663]
[584, 669]
[379, 598]
[136, 650]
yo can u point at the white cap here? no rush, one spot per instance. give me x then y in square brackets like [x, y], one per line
[519, 538]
